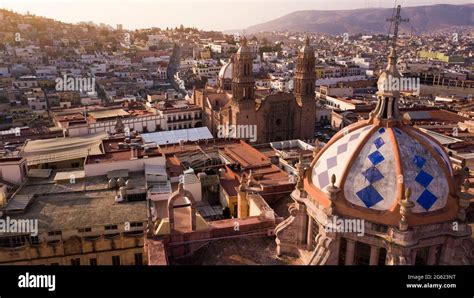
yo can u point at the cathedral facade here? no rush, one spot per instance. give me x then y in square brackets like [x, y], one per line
[277, 116]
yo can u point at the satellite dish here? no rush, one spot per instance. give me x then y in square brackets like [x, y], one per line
[112, 183]
[120, 182]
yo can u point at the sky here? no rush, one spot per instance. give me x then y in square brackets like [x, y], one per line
[203, 14]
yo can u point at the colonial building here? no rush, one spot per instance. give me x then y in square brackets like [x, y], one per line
[277, 116]
[380, 193]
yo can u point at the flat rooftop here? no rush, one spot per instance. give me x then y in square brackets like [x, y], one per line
[105, 114]
[239, 251]
[245, 155]
[76, 210]
[177, 136]
[59, 149]
[60, 206]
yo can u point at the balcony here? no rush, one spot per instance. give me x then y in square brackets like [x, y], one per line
[176, 120]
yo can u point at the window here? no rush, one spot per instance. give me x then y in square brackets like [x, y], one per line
[437, 255]
[314, 232]
[84, 230]
[362, 253]
[93, 262]
[382, 256]
[111, 227]
[422, 256]
[116, 260]
[75, 165]
[342, 251]
[55, 233]
[34, 240]
[136, 224]
[138, 259]
[75, 262]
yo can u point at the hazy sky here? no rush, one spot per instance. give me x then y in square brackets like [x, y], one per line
[204, 14]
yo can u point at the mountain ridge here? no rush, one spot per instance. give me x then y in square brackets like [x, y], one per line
[423, 19]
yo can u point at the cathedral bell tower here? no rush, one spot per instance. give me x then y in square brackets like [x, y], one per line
[243, 82]
[304, 84]
[305, 76]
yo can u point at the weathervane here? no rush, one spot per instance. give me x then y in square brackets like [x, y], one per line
[397, 21]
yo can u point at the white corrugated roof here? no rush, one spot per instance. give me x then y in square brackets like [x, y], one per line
[175, 136]
[59, 149]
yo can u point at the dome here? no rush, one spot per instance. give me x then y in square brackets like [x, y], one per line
[226, 71]
[374, 164]
[370, 161]
[376, 160]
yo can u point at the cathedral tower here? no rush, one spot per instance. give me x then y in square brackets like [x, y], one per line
[304, 84]
[243, 82]
[305, 76]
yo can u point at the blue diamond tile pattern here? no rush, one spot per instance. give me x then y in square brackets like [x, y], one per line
[373, 175]
[376, 157]
[342, 148]
[323, 178]
[426, 199]
[333, 159]
[422, 172]
[331, 162]
[379, 143]
[439, 151]
[424, 178]
[369, 195]
[419, 161]
[372, 180]
[354, 137]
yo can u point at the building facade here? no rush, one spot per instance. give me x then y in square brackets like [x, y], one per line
[277, 116]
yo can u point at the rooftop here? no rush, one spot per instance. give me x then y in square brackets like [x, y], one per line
[84, 203]
[239, 251]
[58, 149]
[175, 136]
[103, 114]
